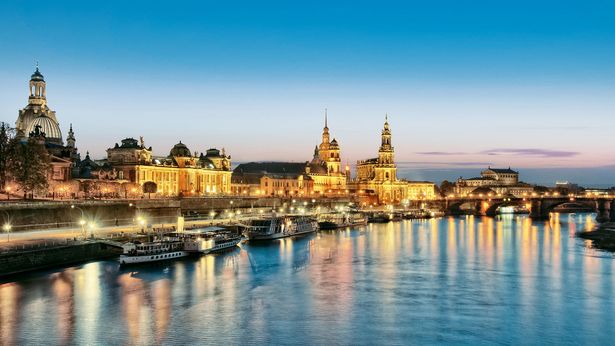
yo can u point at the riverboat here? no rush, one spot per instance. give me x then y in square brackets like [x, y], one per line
[340, 220]
[280, 227]
[207, 240]
[135, 253]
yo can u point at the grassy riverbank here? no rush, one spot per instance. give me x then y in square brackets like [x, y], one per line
[602, 237]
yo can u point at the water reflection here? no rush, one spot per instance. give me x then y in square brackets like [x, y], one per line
[450, 280]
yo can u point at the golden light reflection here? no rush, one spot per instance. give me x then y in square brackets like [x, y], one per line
[162, 304]
[10, 303]
[62, 287]
[132, 294]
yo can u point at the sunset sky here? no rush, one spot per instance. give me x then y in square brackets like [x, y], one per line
[465, 83]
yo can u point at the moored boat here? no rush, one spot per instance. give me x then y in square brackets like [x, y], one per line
[207, 240]
[340, 220]
[280, 227]
[135, 253]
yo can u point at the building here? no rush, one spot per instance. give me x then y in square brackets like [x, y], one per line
[322, 176]
[496, 181]
[36, 120]
[272, 179]
[378, 176]
[325, 168]
[181, 173]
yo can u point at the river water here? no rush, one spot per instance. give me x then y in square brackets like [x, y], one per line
[465, 280]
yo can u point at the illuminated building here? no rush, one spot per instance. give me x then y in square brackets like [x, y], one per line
[39, 122]
[181, 173]
[321, 176]
[494, 180]
[378, 176]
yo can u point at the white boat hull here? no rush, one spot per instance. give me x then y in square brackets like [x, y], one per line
[131, 259]
[223, 246]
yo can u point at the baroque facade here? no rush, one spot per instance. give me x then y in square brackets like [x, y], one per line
[378, 176]
[181, 173]
[321, 176]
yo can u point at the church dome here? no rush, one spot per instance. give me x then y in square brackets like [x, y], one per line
[180, 150]
[37, 76]
[47, 126]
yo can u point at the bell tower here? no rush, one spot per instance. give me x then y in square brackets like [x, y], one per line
[386, 169]
[386, 152]
[323, 149]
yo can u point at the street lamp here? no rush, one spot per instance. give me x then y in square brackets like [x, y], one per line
[91, 227]
[8, 192]
[7, 228]
[82, 223]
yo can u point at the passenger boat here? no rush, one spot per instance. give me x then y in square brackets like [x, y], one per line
[341, 220]
[207, 240]
[380, 218]
[161, 250]
[280, 227]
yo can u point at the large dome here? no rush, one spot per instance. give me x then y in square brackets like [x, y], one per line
[48, 126]
[180, 150]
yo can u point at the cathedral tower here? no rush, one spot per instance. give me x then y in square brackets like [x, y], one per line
[329, 151]
[386, 152]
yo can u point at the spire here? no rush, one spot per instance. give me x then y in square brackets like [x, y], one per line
[326, 119]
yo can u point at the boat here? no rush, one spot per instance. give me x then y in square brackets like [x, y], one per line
[340, 220]
[379, 218]
[280, 227]
[207, 240]
[161, 250]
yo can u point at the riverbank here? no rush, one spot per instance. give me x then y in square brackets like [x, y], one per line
[56, 255]
[603, 237]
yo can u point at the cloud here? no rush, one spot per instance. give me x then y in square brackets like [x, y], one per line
[440, 153]
[453, 164]
[530, 152]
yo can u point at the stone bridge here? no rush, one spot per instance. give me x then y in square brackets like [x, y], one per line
[539, 207]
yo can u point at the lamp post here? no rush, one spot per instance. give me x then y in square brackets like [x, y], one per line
[82, 224]
[8, 193]
[7, 228]
[91, 227]
[82, 220]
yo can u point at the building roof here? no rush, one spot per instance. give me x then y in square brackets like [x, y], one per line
[481, 178]
[180, 150]
[48, 126]
[37, 76]
[318, 168]
[502, 170]
[271, 167]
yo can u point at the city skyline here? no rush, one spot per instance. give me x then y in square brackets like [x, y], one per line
[456, 98]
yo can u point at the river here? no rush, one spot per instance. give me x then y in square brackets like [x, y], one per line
[465, 280]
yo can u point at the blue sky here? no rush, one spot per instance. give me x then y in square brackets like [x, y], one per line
[465, 83]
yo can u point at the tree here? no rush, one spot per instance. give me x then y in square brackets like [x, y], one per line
[149, 188]
[447, 188]
[29, 166]
[7, 145]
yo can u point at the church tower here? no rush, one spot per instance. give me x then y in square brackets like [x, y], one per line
[386, 159]
[386, 152]
[323, 149]
[329, 151]
[70, 140]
